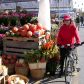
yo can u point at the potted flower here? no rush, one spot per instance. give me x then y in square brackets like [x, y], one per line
[36, 62]
[37, 59]
[51, 51]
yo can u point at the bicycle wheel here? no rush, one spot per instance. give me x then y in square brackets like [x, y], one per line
[68, 70]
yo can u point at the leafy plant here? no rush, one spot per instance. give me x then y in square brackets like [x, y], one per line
[5, 21]
[33, 56]
[13, 21]
[47, 51]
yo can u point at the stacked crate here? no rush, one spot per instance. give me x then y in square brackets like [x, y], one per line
[18, 45]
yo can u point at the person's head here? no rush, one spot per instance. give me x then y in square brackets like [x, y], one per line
[67, 19]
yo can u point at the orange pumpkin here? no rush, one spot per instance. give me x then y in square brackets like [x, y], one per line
[33, 28]
[29, 34]
[39, 26]
[15, 29]
[23, 33]
[26, 27]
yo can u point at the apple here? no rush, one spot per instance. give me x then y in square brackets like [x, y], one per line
[3, 56]
[9, 57]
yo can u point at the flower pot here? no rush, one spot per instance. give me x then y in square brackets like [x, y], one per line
[37, 65]
[37, 70]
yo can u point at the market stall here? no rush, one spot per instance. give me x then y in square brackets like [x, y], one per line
[28, 46]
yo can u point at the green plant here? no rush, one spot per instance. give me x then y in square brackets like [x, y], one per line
[34, 56]
[47, 51]
[5, 20]
[13, 21]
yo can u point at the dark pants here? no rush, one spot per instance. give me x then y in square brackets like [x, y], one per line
[64, 52]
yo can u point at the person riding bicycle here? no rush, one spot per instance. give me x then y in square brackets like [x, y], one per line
[68, 35]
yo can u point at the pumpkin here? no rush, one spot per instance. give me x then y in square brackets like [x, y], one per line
[23, 33]
[26, 27]
[39, 26]
[33, 28]
[29, 34]
[15, 29]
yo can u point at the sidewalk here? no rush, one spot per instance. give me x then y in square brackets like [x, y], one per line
[56, 80]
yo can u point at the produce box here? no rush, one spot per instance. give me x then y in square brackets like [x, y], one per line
[18, 45]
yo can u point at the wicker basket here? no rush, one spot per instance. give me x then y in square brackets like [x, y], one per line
[37, 73]
[12, 77]
[22, 70]
[37, 70]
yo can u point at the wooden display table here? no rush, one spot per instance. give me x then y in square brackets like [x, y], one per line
[18, 45]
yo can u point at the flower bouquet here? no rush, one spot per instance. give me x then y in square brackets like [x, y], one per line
[51, 51]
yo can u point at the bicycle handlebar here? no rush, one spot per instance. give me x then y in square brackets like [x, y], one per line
[71, 45]
[76, 45]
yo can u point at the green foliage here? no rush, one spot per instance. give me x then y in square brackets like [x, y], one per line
[33, 56]
[13, 21]
[5, 21]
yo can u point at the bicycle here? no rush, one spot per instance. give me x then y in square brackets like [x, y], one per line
[69, 63]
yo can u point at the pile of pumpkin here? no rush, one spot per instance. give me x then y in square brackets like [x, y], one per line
[27, 30]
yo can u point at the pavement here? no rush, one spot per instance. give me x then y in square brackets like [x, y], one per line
[81, 57]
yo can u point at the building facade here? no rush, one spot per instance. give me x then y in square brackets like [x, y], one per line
[56, 6]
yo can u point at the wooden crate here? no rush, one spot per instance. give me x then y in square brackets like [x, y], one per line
[18, 45]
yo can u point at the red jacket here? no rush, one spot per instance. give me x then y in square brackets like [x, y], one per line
[68, 35]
